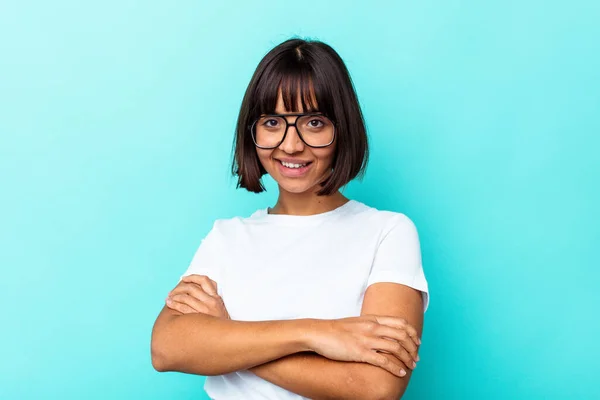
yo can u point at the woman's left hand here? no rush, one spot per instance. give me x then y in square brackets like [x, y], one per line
[197, 294]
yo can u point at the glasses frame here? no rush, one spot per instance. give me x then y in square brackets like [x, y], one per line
[287, 125]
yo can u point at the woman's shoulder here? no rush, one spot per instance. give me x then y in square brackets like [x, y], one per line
[397, 226]
[228, 223]
[384, 217]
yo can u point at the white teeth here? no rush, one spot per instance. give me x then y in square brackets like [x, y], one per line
[290, 165]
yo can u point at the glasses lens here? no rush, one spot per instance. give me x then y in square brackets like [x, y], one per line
[316, 130]
[268, 131]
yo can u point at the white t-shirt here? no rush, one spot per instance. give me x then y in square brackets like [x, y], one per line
[278, 267]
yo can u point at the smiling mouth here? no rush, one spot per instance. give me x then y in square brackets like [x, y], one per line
[293, 165]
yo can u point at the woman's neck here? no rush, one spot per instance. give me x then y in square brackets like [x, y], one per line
[306, 203]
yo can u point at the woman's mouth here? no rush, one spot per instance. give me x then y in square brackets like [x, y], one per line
[293, 170]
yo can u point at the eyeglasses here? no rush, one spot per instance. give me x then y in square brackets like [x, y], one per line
[314, 129]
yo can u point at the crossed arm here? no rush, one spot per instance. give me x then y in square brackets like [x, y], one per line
[290, 364]
[316, 377]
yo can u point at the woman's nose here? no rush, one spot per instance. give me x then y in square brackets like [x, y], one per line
[292, 142]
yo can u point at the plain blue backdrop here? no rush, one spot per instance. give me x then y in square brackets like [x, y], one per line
[116, 125]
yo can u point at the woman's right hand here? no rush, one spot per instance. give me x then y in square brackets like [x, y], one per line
[359, 339]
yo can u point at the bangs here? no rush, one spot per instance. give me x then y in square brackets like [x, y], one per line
[296, 82]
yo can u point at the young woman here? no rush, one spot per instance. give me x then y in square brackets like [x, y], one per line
[320, 296]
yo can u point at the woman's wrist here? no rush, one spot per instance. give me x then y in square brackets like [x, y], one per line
[309, 331]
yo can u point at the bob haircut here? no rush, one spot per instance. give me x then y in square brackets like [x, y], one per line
[312, 73]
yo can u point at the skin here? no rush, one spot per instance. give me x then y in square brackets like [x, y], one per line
[370, 356]
[329, 375]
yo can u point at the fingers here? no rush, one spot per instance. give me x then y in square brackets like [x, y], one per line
[189, 301]
[400, 323]
[181, 307]
[207, 284]
[386, 362]
[401, 337]
[193, 294]
[195, 291]
[396, 349]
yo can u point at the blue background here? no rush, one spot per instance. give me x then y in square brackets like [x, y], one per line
[116, 124]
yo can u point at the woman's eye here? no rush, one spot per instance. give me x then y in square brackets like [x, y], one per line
[315, 123]
[271, 122]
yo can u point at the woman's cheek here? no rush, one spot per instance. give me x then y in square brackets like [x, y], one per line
[264, 157]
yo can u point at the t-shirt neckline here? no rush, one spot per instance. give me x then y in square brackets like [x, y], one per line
[304, 219]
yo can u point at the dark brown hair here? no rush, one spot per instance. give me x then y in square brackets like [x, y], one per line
[310, 71]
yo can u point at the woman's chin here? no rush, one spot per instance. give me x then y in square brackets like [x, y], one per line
[295, 187]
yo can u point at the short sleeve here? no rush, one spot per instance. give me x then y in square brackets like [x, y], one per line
[205, 259]
[398, 259]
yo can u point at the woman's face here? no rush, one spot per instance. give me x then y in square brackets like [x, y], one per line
[293, 150]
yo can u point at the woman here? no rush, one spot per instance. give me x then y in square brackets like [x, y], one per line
[319, 296]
